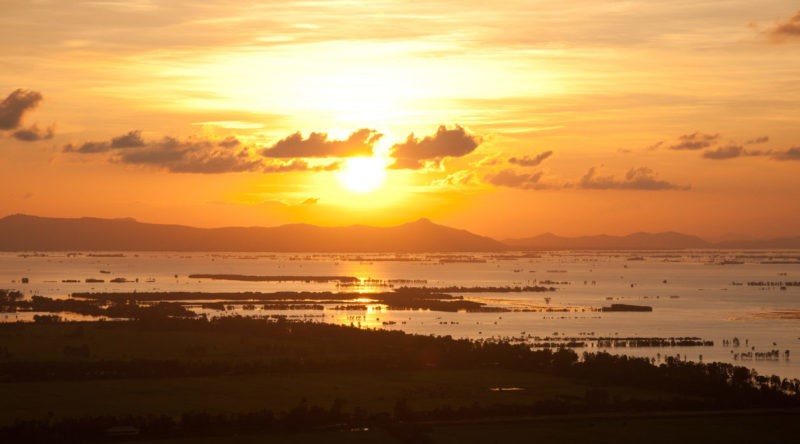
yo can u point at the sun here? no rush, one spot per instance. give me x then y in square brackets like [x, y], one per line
[362, 174]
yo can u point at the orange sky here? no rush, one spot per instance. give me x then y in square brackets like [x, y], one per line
[507, 118]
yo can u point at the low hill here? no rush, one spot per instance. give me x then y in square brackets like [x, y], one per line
[635, 241]
[32, 233]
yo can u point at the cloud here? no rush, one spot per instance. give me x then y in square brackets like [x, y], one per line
[298, 165]
[724, 152]
[191, 155]
[530, 161]
[131, 140]
[792, 153]
[695, 141]
[413, 153]
[463, 178]
[14, 107]
[758, 140]
[33, 133]
[783, 31]
[641, 178]
[512, 179]
[310, 201]
[359, 143]
[88, 148]
[732, 152]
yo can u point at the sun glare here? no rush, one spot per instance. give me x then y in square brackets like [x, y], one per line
[362, 174]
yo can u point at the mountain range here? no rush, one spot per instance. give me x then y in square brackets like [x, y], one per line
[33, 233]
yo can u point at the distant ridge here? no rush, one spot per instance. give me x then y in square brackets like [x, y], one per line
[33, 233]
[635, 241]
[644, 241]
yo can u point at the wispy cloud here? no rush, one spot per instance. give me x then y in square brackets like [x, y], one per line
[732, 152]
[695, 141]
[34, 133]
[527, 161]
[758, 140]
[458, 179]
[511, 179]
[641, 178]
[786, 30]
[792, 153]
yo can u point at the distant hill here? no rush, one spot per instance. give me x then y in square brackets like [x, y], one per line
[766, 244]
[32, 233]
[635, 241]
[643, 241]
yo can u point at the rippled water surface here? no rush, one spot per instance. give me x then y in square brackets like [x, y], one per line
[707, 294]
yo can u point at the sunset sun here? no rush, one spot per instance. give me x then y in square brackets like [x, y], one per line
[362, 174]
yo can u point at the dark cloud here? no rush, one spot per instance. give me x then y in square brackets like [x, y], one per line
[413, 153]
[641, 178]
[189, 156]
[88, 148]
[512, 179]
[732, 152]
[310, 201]
[724, 152]
[359, 143]
[33, 133]
[13, 107]
[530, 161]
[192, 155]
[758, 140]
[695, 141]
[790, 154]
[131, 140]
[786, 30]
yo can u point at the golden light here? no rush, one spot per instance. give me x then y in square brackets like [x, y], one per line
[362, 174]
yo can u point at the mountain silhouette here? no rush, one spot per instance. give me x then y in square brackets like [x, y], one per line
[32, 233]
[669, 240]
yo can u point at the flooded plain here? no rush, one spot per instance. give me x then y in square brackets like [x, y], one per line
[741, 307]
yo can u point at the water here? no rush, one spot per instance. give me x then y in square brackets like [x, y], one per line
[691, 294]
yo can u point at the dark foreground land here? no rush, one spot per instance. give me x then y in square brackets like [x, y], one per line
[161, 379]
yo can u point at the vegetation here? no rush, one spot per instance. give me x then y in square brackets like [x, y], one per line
[173, 377]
